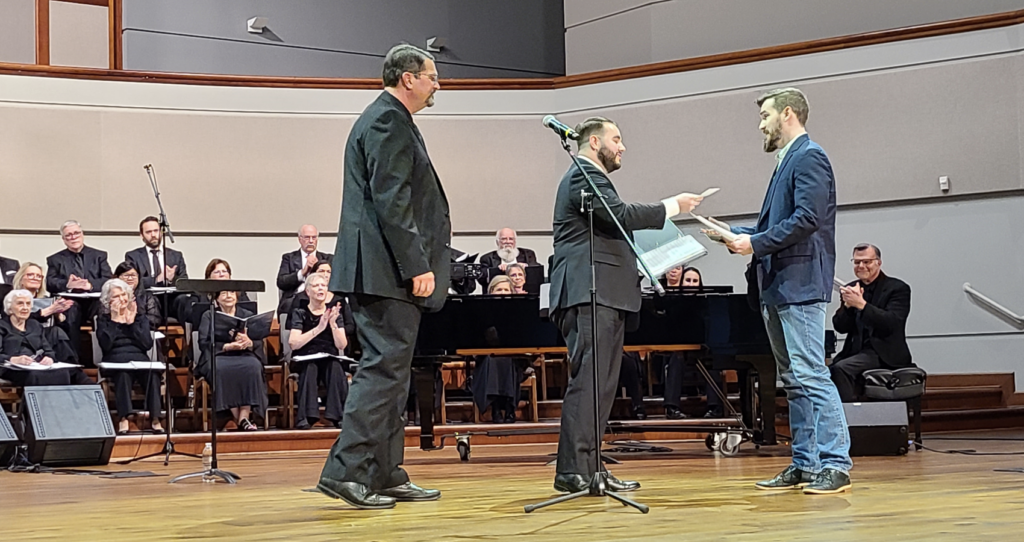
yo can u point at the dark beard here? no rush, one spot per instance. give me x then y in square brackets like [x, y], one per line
[153, 244]
[773, 141]
[607, 158]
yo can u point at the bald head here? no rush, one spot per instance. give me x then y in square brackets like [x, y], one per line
[505, 238]
[308, 238]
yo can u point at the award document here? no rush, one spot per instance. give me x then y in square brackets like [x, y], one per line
[666, 248]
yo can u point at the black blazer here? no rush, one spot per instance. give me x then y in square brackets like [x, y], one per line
[9, 267]
[618, 284]
[17, 343]
[884, 320]
[491, 260]
[288, 276]
[59, 266]
[222, 329]
[394, 219]
[143, 260]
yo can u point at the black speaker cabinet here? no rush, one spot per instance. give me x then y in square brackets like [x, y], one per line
[877, 428]
[67, 426]
[8, 439]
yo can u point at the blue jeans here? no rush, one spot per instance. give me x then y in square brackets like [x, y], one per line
[821, 438]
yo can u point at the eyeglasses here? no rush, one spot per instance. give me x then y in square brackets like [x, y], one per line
[33, 275]
[308, 237]
[131, 276]
[72, 234]
[431, 76]
[863, 262]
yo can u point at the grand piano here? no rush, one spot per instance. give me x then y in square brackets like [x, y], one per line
[721, 324]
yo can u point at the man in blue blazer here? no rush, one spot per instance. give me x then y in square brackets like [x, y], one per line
[794, 252]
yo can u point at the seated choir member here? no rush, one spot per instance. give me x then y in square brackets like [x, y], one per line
[318, 327]
[77, 268]
[517, 273]
[124, 335]
[154, 271]
[23, 341]
[496, 379]
[297, 265]
[676, 368]
[8, 268]
[873, 316]
[508, 253]
[147, 303]
[631, 379]
[54, 317]
[217, 269]
[240, 385]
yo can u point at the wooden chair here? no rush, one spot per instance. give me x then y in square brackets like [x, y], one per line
[530, 383]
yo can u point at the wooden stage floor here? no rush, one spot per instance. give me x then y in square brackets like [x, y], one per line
[693, 495]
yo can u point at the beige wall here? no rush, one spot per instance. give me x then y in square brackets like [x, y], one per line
[608, 34]
[79, 35]
[18, 31]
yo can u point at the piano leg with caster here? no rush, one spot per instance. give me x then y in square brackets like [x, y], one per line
[423, 376]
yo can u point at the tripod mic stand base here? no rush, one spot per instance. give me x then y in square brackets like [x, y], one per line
[167, 452]
[597, 489]
[210, 475]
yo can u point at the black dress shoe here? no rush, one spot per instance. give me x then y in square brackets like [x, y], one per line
[357, 495]
[571, 483]
[714, 413]
[673, 413]
[410, 492]
[337, 424]
[829, 481]
[791, 478]
[639, 413]
[302, 425]
[619, 486]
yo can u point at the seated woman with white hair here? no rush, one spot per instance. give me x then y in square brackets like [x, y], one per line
[124, 335]
[23, 342]
[318, 327]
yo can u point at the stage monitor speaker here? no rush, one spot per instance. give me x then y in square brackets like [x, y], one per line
[877, 428]
[8, 439]
[67, 426]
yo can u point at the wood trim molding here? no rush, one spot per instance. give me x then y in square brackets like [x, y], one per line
[971, 24]
[114, 29]
[43, 32]
[100, 3]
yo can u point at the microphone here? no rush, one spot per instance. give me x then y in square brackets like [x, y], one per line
[147, 167]
[562, 130]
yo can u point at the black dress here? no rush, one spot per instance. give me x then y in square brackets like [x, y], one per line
[239, 372]
[496, 381]
[129, 342]
[327, 372]
[28, 343]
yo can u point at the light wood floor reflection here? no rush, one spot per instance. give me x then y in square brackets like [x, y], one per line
[693, 495]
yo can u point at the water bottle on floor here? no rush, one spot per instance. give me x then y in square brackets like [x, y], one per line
[208, 463]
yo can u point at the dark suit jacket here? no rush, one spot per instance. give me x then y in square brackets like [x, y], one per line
[491, 260]
[9, 267]
[394, 219]
[143, 260]
[794, 240]
[288, 276]
[59, 267]
[17, 343]
[884, 320]
[618, 284]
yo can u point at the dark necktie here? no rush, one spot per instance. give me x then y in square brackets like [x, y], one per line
[79, 267]
[156, 262]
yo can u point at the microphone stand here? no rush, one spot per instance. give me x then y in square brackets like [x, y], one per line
[165, 235]
[598, 478]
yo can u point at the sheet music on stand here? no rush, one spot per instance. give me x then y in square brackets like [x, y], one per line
[666, 248]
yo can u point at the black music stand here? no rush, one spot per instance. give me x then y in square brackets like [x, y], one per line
[598, 483]
[213, 287]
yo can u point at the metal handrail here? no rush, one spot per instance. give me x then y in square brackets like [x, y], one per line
[994, 307]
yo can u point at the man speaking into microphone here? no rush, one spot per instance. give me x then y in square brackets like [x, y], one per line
[618, 291]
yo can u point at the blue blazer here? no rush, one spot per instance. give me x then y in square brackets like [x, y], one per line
[794, 240]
